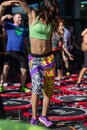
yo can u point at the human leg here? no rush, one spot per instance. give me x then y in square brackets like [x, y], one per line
[23, 76]
[4, 73]
[49, 74]
[22, 62]
[37, 81]
[35, 100]
[58, 60]
[82, 72]
[4, 77]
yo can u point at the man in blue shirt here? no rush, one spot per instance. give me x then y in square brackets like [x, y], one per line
[16, 38]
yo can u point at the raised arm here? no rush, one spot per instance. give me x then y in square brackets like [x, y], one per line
[30, 12]
[7, 16]
[6, 4]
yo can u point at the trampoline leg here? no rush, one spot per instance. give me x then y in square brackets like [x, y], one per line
[19, 114]
[2, 112]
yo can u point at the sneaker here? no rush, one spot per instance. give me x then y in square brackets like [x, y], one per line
[23, 88]
[1, 88]
[34, 121]
[45, 121]
[77, 86]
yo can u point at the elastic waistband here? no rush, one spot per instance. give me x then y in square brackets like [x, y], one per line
[15, 52]
[41, 55]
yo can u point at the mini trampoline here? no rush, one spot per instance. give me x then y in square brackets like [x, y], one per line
[12, 104]
[15, 104]
[67, 114]
[71, 76]
[69, 98]
[13, 91]
[71, 80]
[82, 104]
[72, 90]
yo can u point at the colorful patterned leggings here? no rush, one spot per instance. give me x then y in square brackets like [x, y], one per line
[42, 71]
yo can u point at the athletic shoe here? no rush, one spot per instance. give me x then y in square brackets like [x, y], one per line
[77, 86]
[1, 88]
[23, 88]
[45, 121]
[34, 121]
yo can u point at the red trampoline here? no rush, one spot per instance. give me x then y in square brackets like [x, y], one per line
[69, 98]
[81, 104]
[13, 91]
[67, 114]
[72, 90]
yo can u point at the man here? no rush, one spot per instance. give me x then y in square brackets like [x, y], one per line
[16, 39]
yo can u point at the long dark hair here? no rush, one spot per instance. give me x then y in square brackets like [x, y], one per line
[45, 11]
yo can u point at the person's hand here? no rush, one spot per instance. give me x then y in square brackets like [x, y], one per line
[7, 16]
[9, 3]
[71, 57]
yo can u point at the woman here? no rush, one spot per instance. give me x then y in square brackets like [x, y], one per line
[58, 46]
[84, 67]
[41, 59]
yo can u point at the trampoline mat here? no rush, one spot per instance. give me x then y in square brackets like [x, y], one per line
[67, 114]
[71, 80]
[13, 104]
[72, 90]
[72, 98]
[84, 89]
[67, 111]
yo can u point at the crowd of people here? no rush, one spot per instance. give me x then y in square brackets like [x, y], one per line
[51, 45]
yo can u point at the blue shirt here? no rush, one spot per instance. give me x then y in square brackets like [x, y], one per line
[15, 37]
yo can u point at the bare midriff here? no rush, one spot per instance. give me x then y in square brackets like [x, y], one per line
[39, 46]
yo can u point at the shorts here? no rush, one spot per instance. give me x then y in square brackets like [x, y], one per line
[85, 60]
[42, 71]
[58, 59]
[13, 58]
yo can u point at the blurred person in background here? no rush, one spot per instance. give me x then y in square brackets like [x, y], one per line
[16, 39]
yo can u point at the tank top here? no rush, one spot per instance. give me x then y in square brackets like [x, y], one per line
[40, 30]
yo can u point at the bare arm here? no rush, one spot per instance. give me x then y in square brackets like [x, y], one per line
[30, 12]
[6, 4]
[67, 52]
[24, 5]
[3, 18]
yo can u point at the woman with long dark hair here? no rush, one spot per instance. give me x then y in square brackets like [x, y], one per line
[41, 59]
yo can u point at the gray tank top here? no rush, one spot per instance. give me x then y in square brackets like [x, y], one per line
[55, 40]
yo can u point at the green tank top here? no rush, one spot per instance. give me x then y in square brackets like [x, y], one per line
[40, 30]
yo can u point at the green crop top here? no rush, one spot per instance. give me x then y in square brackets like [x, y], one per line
[40, 30]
